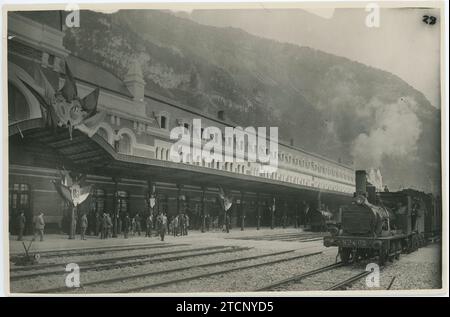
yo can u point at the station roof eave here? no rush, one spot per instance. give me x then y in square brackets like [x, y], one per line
[96, 156]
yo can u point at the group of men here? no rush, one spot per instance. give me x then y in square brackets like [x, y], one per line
[39, 225]
[132, 225]
[179, 225]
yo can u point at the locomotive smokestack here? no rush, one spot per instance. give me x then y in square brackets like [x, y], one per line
[371, 194]
[361, 182]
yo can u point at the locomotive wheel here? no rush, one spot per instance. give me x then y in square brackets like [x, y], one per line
[345, 254]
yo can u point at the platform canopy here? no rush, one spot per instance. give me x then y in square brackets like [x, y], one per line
[96, 156]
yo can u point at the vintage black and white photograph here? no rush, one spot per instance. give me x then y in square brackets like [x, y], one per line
[265, 149]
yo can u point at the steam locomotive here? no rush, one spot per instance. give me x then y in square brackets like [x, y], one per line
[384, 224]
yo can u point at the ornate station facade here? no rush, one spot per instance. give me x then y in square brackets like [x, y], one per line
[127, 154]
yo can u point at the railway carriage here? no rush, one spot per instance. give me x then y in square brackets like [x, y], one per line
[384, 224]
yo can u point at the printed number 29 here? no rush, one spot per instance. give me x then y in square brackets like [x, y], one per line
[431, 20]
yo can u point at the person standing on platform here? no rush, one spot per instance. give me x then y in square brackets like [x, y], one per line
[175, 224]
[98, 223]
[133, 226]
[148, 226]
[109, 226]
[83, 226]
[22, 222]
[39, 225]
[162, 223]
[104, 227]
[272, 212]
[186, 224]
[227, 202]
[126, 226]
[137, 219]
[180, 230]
[207, 221]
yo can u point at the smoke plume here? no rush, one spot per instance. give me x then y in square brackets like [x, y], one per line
[394, 134]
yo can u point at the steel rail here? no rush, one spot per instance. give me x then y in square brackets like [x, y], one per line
[276, 236]
[349, 281]
[185, 279]
[99, 250]
[147, 274]
[300, 276]
[106, 260]
[124, 264]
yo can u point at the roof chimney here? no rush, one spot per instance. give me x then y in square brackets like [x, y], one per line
[291, 142]
[134, 80]
[221, 115]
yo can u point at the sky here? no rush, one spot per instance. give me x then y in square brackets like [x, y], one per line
[402, 44]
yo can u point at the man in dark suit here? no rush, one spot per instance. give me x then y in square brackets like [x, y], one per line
[83, 226]
[126, 226]
[22, 222]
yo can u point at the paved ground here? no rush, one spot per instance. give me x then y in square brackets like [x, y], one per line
[57, 242]
[418, 270]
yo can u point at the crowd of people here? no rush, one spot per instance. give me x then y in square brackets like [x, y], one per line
[104, 225]
[133, 226]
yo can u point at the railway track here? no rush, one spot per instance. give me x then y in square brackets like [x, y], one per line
[160, 272]
[336, 285]
[141, 259]
[224, 271]
[288, 237]
[106, 260]
[302, 239]
[99, 250]
[348, 282]
[280, 236]
[299, 277]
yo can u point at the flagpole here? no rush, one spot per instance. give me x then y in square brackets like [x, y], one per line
[72, 222]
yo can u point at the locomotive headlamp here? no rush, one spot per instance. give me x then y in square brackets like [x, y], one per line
[360, 200]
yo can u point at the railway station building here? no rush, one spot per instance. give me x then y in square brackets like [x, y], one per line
[128, 155]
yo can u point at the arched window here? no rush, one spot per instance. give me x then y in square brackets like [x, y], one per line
[103, 133]
[124, 144]
[163, 122]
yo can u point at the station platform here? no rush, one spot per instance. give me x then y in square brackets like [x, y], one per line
[263, 238]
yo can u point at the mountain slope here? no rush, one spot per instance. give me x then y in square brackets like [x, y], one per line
[327, 104]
